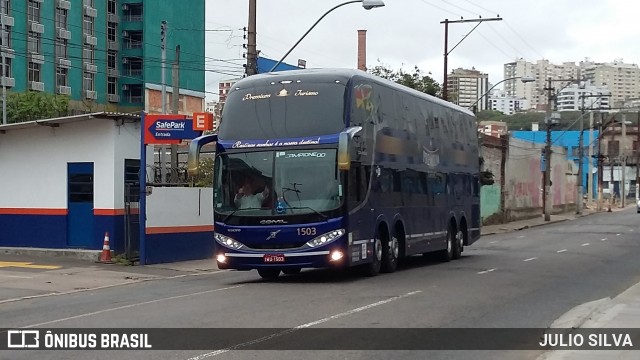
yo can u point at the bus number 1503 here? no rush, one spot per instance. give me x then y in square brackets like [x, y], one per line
[307, 231]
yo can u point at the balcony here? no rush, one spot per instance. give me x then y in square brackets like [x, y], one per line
[64, 90]
[63, 33]
[8, 82]
[63, 4]
[90, 94]
[36, 27]
[64, 63]
[36, 86]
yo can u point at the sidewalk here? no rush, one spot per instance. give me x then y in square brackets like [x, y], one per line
[539, 221]
[621, 312]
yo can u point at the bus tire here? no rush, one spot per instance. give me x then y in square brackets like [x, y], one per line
[291, 271]
[373, 268]
[390, 254]
[269, 274]
[458, 245]
[446, 254]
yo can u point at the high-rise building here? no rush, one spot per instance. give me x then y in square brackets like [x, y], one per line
[103, 54]
[574, 97]
[622, 79]
[506, 104]
[467, 86]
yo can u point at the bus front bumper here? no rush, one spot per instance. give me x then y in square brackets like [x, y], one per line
[282, 260]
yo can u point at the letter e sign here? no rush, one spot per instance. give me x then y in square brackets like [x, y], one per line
[202, 121]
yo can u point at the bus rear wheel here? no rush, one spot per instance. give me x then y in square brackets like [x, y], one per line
[446, 254]
[269, 273]
[390, 254]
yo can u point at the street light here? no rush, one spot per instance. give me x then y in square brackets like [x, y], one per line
[524, 79]
[366, 4]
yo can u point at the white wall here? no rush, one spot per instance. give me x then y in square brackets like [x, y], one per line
[174, 206]
[33, 163]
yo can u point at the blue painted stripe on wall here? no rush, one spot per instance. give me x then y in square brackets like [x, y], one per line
[162, 248]
[44, 231]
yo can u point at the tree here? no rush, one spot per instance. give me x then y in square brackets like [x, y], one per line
[34, 105]
[416, 80]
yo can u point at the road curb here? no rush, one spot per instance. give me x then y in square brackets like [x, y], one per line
[77, 254]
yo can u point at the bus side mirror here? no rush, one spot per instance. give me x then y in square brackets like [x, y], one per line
[344, 147]
[193, 162]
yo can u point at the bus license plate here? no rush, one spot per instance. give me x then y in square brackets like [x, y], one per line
[271, 258]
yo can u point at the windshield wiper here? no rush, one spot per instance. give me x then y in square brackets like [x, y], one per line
[307, 207]
[236, 210]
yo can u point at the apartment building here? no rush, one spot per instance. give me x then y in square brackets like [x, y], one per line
[507, 104]
[622, 79]
[576, 96]
[467, 86]
[100, 53]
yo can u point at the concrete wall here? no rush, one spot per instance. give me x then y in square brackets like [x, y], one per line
[490, 201]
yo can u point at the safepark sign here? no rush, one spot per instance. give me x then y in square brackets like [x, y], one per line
[172, 128]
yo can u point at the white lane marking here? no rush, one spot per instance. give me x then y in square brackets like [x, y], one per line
[561, 251]
[585, 244]
[487, 271]
[529, 259]
[130, 306]
[493, 242]
[303, 326]
[618, 234]
[110, 286]
[630, 229]
[16, 276]
[520, 237]
[603, 239]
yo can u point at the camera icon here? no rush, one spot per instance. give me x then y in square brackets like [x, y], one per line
[23, 339]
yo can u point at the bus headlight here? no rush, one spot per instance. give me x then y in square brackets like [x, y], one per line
[325, 238]
[227, 241]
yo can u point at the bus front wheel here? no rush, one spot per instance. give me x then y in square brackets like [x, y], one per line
[269, 273]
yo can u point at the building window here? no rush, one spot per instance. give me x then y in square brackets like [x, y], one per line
[61, 48]
[112, 7]
[88, 81]
[112, 85]
[7, 67]
[112, 59]
[111, 32]
[87, 54]
[33, 11]
[6, 6]
[88, 25]
[34, 71]
[34, 42]
[61, 18]
[6, 37]
[61, 76]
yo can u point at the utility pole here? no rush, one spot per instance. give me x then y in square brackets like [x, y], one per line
[252, 52]
[600, 160]
[446, 23]
[590, 183]
[623, 155]
[547, 155]
[580, 161]
[4, 70]
[612, 186]
[637, 150]
[175, 97]
[163, 48]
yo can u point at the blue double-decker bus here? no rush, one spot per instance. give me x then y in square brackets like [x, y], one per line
[334, 168]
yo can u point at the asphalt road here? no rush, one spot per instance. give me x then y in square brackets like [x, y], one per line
[525, 279]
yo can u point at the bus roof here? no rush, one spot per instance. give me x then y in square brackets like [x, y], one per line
[333, 74]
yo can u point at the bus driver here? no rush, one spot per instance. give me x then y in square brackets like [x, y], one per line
[245, 198]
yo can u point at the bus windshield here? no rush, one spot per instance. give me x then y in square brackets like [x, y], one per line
[269, 183]
[283, 111]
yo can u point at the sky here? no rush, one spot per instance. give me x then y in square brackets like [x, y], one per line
[406, 33]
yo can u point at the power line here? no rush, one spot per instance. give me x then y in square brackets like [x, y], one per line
[459, 7]
[443, 9]
[480, 7]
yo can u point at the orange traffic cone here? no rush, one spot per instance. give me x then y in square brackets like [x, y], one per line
[105, 255]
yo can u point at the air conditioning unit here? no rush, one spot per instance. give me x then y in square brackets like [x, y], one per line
[113, 98]
[8, 81]
[91, 40]
[8, 20]
[64, 63]
[36, 85]
[36, 27]
[113, 72]
[125, 34]
[113, 18]
[125, 60]
[36, 58]
[112, 45]
[63, 4]
[90, 12]
[90, 94]
[64, 90]
[88, 67]
[125, 7]
[125, 87]
[64, 33]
